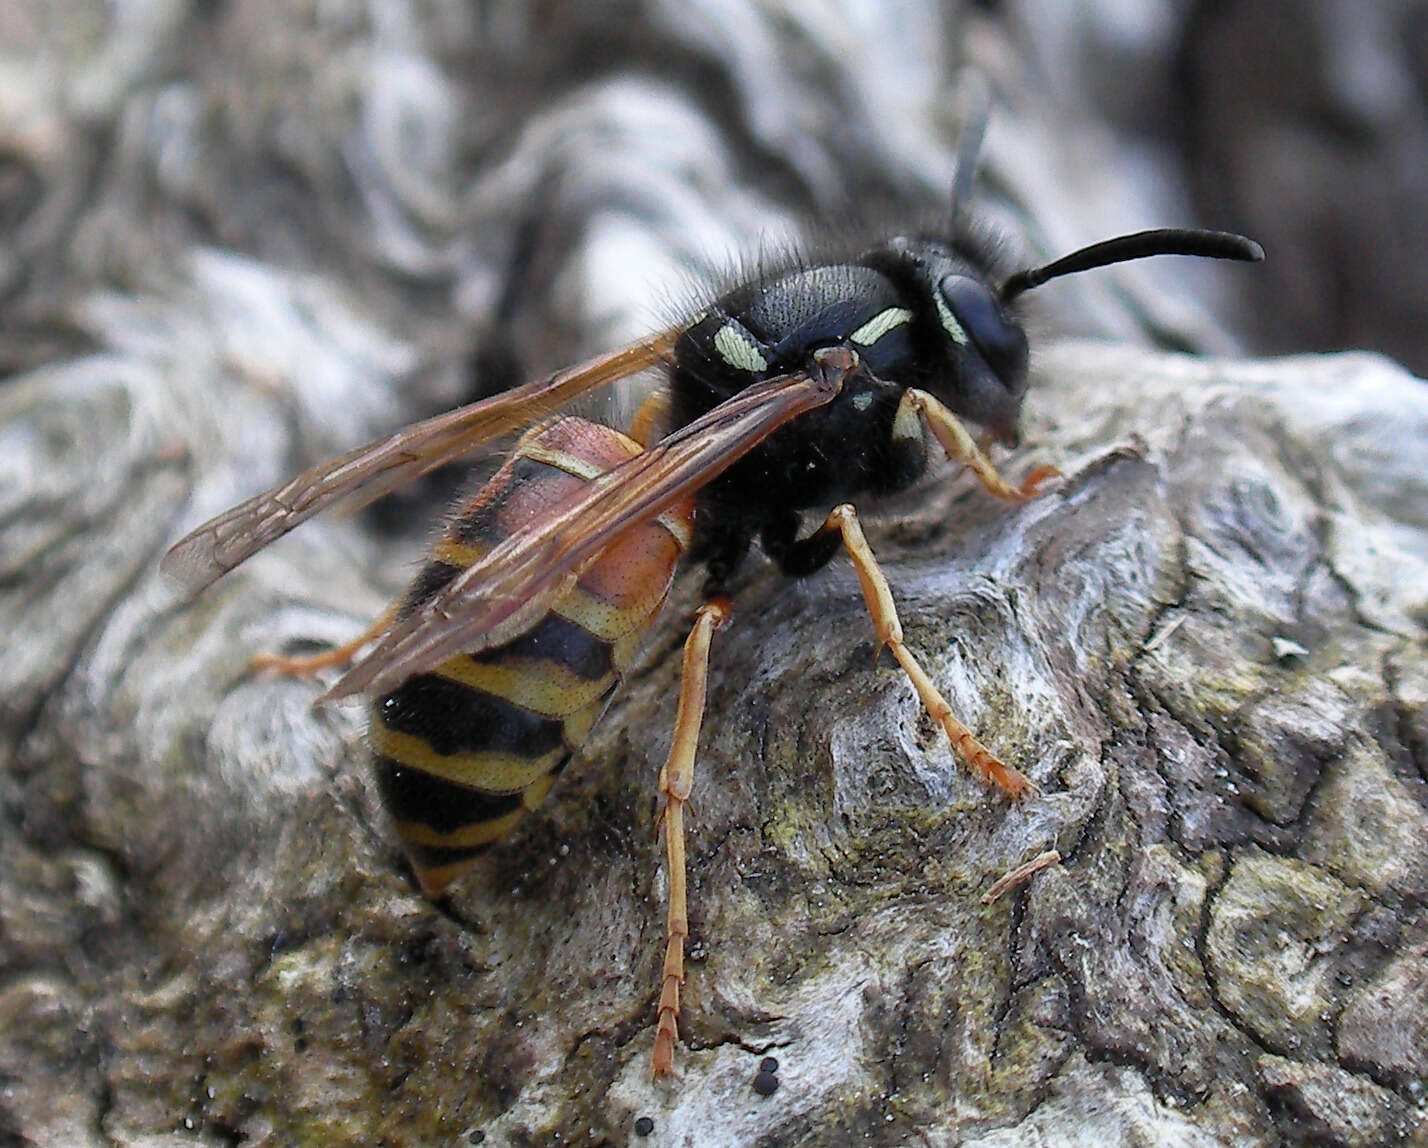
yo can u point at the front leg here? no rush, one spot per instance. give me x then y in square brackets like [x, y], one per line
[918, 408]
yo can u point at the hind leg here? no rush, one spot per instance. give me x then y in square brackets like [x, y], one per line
[305, 667]
[675, 781]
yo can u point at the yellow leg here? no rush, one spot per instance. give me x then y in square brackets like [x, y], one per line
[337, 656]
[961, 447]
[675, 781]
[844, 519]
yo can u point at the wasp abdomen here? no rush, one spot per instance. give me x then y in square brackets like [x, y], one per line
[464, 751]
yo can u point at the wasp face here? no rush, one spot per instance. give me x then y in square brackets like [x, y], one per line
[988, 352]
[974, 350]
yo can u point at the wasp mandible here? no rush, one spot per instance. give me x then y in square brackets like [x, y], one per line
[797, 392]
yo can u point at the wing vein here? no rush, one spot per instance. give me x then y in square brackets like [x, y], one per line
[519, 579]
[368, 472]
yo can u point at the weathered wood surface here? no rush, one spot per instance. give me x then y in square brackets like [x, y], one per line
[1208, 650]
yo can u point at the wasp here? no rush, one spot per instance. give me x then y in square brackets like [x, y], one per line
[797, 392]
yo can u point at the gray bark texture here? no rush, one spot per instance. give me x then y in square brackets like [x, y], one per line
[244, 237]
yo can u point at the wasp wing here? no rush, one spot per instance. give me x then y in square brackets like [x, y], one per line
[521, 578]
[370, 471]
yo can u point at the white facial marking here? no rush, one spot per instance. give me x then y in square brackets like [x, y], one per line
[949, 321]
[862, 401]
[737, 348]
[879, 325]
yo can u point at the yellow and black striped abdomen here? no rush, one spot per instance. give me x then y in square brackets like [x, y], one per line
[464, 751]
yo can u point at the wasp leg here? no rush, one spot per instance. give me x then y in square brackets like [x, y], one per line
[883, 612]
[961, 447]
[675, 782]
[337, 656]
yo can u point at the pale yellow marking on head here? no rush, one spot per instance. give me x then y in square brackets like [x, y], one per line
[879, 325]
[737, 348]
[949, 321]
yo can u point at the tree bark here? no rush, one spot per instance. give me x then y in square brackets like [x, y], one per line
[1206, 650]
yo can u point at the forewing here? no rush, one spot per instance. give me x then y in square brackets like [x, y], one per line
[519, 580]
[370, 471]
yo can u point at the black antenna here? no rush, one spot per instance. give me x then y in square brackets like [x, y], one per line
[1123, 248]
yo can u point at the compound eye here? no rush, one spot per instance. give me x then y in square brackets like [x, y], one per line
[982, 320]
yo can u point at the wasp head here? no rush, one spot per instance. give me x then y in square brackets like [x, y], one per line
[973, 352]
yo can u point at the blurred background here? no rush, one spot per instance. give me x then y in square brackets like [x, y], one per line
[514, 184]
